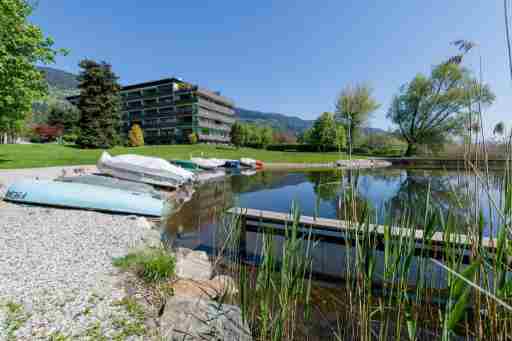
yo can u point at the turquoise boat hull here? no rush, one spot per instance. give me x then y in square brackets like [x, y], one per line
[82, 196]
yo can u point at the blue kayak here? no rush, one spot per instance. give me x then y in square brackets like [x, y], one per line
[89, 197]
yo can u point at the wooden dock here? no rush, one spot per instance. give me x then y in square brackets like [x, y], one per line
[343, 232]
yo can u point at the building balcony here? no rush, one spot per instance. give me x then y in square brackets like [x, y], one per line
[216, 117]
[214, 138]
[215, 107]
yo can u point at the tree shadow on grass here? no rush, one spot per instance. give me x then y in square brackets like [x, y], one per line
[3, 159]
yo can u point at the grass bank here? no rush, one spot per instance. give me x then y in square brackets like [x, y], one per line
[48, 155]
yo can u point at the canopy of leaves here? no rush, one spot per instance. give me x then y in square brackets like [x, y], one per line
[325, 132]
[64, 115]
[353, 108]
[251, 135]
[22, 45]
[135, 136]
[428, 109]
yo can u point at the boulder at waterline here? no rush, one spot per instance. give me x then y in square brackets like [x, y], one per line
[187, 319]
[193, 264]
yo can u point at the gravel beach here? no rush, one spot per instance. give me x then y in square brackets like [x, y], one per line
[56, 273]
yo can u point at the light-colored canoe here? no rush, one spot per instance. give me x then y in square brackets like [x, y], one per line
[208, 163]
[144, 169]
[245, 161]
[82, 196]
[211, 175]
[110, 182]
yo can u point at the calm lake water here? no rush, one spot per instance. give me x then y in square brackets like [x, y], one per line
[385, 191]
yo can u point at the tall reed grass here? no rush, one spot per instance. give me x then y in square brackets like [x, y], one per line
[393, 285]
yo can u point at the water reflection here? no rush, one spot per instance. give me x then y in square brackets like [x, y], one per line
[327, 194]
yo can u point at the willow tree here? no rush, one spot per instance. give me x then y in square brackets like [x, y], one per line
[22, 45]
[354, 106]
[431, 108]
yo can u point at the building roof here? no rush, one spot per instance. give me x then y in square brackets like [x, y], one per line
[150, 83]
[163, 81]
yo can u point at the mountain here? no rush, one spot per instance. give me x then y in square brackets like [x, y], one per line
[63, 83]
[59, 79]
[277, 121]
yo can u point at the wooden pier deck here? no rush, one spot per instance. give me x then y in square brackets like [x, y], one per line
[343, 232]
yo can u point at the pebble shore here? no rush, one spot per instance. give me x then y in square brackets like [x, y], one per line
[57, 281]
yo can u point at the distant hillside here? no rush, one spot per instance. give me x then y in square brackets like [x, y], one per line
[276, 121]
[63, 83]
[59, 79]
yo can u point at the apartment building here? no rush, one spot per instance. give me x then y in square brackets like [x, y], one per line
[169, 110]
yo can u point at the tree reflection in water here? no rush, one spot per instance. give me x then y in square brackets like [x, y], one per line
[351, 194]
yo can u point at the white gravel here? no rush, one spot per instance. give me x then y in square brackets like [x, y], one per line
[57, 265]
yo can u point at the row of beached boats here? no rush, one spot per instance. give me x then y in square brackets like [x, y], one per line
[129, 184]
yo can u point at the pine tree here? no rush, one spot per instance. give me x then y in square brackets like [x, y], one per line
[99, 105]
[136, 136]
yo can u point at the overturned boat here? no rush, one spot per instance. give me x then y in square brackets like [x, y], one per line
[144, 169]
[252, 163]
[110, 182]
[83, 196]
[208, 163]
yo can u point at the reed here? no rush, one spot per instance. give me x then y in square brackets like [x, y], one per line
[390, 294]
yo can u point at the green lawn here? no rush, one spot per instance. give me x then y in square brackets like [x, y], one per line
[47, 155]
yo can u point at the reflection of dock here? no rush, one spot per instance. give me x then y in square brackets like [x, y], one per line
[346, 233]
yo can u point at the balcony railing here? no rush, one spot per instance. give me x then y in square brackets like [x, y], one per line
[216, 107]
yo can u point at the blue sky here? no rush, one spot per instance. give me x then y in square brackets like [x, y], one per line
[284, 56]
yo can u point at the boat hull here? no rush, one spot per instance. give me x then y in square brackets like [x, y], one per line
[127, 171]
[82, 196]
[110, 182]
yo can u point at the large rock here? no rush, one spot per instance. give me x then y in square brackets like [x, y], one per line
[187, 319]
[193, 265]
[218, 287]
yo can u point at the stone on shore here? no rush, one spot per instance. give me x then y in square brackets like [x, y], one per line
[193, 265]
[213, 289]
[188, 319]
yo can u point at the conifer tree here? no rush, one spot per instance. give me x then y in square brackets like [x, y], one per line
[99, 105]
[136, 136]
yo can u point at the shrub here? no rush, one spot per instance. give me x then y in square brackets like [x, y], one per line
[70, 138]
[135, 136]
[192, 138]
[151, 265]
[46, 133]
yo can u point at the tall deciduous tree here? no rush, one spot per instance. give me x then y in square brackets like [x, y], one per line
[99, 105]
[22, 45]
[428, 109]
[323, 133]
[354, 106]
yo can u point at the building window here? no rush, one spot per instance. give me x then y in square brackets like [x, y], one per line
[165, 88]
[151, 112]
[151, 132]
[165, 100]
[168, 110]
[166, 132]
[134, 104]
[150, 92]
[150, 102]
[168, 120]
[152, 122]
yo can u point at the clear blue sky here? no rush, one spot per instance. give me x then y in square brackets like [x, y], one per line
[282, 56]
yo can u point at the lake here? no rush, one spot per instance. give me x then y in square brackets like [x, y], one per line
[387, 192]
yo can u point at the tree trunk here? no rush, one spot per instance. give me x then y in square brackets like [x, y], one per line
[411, 149]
